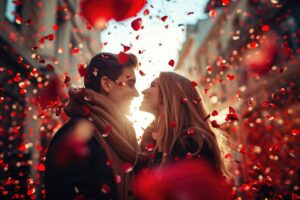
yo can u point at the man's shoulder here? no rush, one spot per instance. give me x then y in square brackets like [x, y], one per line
[76, 127]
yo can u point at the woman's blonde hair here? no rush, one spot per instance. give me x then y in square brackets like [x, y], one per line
[183, 111]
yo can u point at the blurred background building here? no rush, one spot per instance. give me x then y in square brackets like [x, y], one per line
[39, 42]
[246, 56]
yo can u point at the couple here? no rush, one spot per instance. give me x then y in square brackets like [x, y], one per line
[96, 154]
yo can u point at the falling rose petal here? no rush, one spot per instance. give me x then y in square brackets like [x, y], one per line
[123, 58]
[82, 70]
[191, 131]
[243, 150]
[50, 37]
[60, 50]
[190, 13]
[146, 12]
[75, 50]
[107, 131]
[214, 113]
[141, 73]
[126, 48]
[172, 124]
[265, 28]
[225, 2]
[55, 27]
[17, 2]
[17, 78]
[215, 124]
[127, 167]
[228, 155]
[184, 100]
[105, 188]
[296, 132]
[230, 77]
[34, 48]
[118, 179]
[42, 40]
[41, 167]
[231, 115]
[194, 83]
[253, 44]
[58, 111]
[30, 191]
[50, 67]
[149, 147]
[206, 118]
[136, 24]
[171, 63]
[42, 61]
[164, 18]
[67, 79]
[88, 26]
[28, 22]
[95, 72]
[109, 163]
[212, 13]
[18, 19]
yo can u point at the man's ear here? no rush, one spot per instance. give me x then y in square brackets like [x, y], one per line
[105, 84]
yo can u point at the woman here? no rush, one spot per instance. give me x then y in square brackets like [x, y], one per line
[180, 129]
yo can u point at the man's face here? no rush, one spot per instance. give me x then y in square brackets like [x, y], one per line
[123, 90]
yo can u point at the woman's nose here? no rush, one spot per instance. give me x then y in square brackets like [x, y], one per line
[144, 92]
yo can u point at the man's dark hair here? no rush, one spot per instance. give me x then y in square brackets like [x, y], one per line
[107, 64]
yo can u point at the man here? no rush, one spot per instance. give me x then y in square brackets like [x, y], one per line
[92, 155]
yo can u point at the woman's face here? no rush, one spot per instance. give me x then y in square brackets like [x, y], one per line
[151, 99]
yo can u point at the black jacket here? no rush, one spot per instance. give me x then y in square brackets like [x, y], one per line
[80, 176]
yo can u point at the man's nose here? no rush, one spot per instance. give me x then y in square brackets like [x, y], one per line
[144, 92]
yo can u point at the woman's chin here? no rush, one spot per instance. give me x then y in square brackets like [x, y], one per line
[144, 108]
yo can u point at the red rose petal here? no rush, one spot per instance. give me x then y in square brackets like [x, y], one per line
[215, 124]
[141, 73]
[127, 167]
[123, 58]
[76, 50]
[214, 113]
[105, 188]
[194, 83]
[107, 131]
[296, 132]
[136, 24]
[172, 124]
[164, 18]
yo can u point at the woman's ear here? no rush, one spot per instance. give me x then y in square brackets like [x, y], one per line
[105, 84]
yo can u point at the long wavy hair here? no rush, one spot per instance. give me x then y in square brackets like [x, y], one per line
[182, 110]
